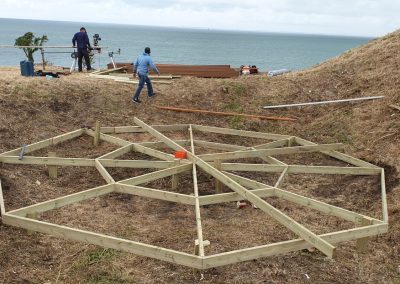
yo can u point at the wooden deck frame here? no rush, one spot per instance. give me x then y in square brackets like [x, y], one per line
[243, 188]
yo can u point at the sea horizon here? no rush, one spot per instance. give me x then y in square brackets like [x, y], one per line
[182, 45]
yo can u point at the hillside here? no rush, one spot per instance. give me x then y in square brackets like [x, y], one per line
[32, 109]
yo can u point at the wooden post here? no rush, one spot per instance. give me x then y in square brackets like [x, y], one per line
[96, 139]
[2, 207]
[196, 246]
[52, 169]
[175, 178]
[218, 184]
[362, 243]
[31, 216]
[291, 141]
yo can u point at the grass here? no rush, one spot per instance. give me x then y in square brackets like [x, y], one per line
[100, 254]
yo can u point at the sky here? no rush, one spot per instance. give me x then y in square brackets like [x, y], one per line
[335, 17]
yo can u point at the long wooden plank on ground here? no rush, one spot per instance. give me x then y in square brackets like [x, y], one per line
[340, 156]
[46, 143]
[138, 129]
[232, 196]
[136, 164]
[305, 201]
[242, 133]
[65, 200]
[103, 172]
[283, 219]
[117, 153]
[290, 246]
[168, 255]
[197, 202]
[153, 153]
[156, 175]
[169, 142]
[49, 161]
[296, 169]
[270, 152]
[155, 194]
[281, 178]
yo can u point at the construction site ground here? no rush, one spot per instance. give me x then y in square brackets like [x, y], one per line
[33, 109]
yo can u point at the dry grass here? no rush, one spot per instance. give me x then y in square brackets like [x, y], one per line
[32, 109]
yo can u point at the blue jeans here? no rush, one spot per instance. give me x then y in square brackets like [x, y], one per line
[144, 79]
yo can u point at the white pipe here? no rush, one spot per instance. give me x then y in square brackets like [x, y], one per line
[324, 102]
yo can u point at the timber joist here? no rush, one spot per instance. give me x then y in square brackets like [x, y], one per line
[216, 165]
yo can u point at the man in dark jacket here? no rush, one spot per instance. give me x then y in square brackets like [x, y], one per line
[81, 41]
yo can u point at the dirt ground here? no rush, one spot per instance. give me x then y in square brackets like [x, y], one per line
[32, 109]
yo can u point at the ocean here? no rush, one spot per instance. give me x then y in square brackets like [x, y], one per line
[268, 51]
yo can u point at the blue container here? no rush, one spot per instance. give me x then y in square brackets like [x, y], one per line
[27, 68]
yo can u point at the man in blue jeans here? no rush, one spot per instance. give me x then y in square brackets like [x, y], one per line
[141, 68]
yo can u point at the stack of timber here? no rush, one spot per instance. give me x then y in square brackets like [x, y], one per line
[115, 75]
[201, 71]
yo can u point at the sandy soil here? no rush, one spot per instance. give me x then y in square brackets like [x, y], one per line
[32, 109]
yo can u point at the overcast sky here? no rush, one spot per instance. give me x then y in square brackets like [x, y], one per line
[340, 17]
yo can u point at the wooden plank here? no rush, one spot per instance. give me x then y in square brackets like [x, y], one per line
[138, 129]
[49, 161]
[282, 177]
[159, 144]
[156, 175]
[270, 152]
[46, 143]
[200, 241]
[282, 218]
[105, 241]
[232, 196]
[155, 194]
[296, 169]
[340, 156]
[289, 246]
[169, 142]
[218, 146]
[385, 213]
[2, 206]
[236, 132]
[118, 152]
[305, 201]
[103, 172]
[109, 138]
[136, 164]
[52, 169]
[65, 200]
[271, 145]
[153, 153]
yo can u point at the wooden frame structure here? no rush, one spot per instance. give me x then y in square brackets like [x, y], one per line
[214, 165]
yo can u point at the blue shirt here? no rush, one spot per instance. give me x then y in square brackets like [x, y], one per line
[82, 39]
[142, 64]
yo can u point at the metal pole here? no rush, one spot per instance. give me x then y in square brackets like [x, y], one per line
[324, 102]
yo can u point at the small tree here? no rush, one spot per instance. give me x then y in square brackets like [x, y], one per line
[28, 39]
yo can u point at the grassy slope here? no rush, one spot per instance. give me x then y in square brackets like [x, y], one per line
[32, 109]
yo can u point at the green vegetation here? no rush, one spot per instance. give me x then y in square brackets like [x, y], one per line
[29, 39]
[98, 255]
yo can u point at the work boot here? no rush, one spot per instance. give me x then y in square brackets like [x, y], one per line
[136, 101]
[153, 95]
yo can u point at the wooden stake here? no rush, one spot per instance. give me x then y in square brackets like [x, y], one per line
[362, 243]
[31, 216]
[52, 169]
[96, 139]
[175, 178]
[218, 184]
[2, 207]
